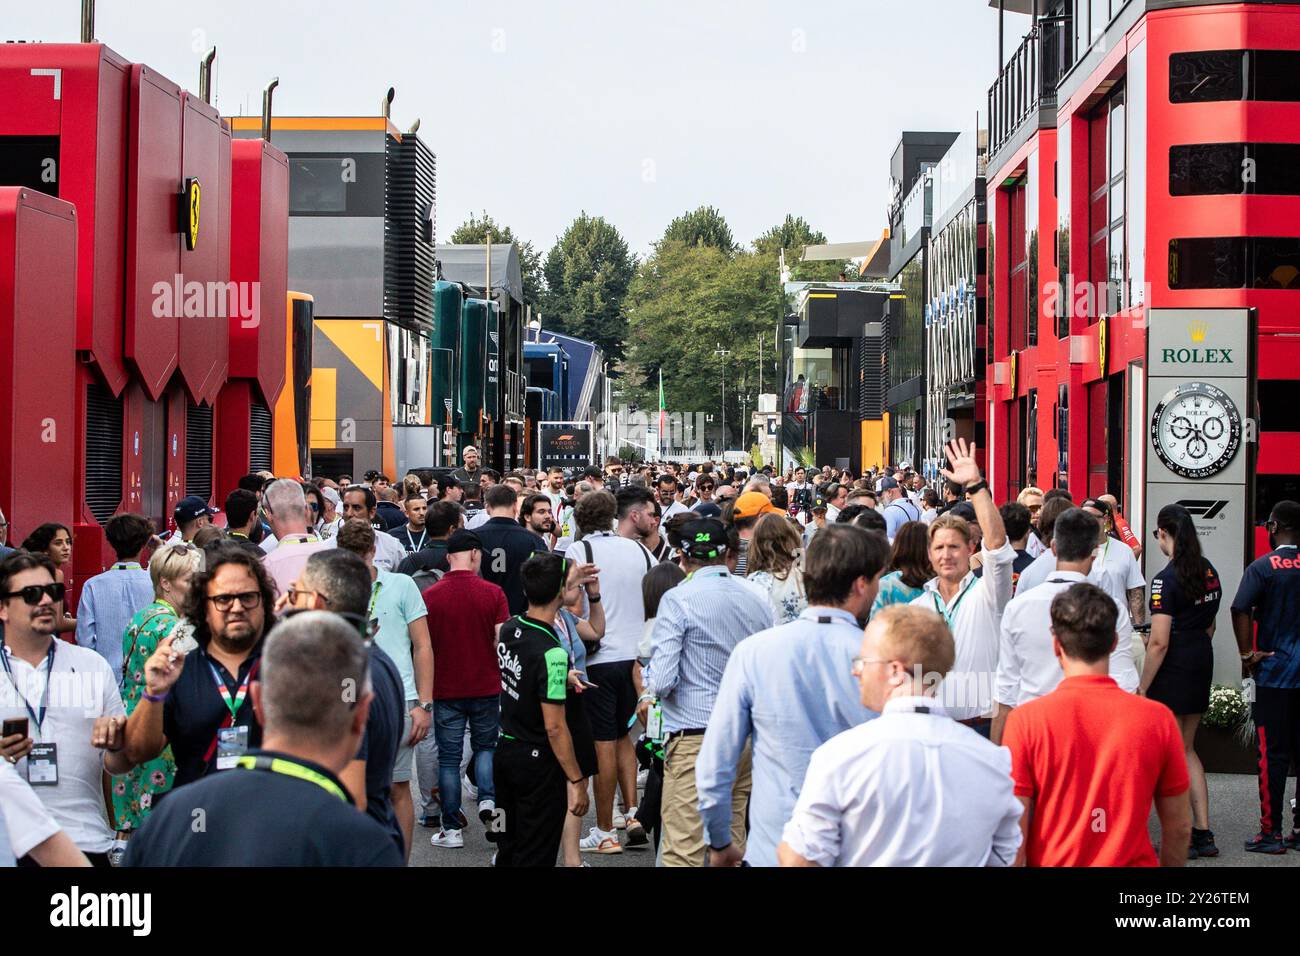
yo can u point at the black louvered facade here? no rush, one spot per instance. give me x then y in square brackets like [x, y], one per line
[259, 438]
[872, 376]
[103, 452]
[198, 451]
[409, 206]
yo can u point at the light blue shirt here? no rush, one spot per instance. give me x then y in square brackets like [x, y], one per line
[700, 622]
[108, 602]
[792, 689]
[571, 641]
[898, 513]
[396, 601]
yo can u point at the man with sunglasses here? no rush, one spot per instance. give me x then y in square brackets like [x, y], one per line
[199, 703]
[67, 696]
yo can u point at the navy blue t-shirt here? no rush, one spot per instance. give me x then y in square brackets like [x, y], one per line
[1270, 587]
[383, 738]
[260, 818]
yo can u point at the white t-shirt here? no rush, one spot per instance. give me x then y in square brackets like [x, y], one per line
[1027, 667]
[674, 509]
[83, 688]
[909, 788]
[623, 563]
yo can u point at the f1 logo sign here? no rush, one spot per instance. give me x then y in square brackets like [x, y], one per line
[1205, 509]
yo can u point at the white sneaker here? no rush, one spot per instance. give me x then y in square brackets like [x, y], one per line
[620, 821]
[450, 839]
[470, 791]
[599, 841]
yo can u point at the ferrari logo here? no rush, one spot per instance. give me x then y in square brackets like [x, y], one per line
[191, 199]
[1014, 383]
[1102, 344]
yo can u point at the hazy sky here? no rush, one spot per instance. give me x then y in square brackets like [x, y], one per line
[633, 110]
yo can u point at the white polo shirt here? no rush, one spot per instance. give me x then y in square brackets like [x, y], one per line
[1027, 668]
[975, 615]
[910, 788]
[83, 688]
[1114, 570]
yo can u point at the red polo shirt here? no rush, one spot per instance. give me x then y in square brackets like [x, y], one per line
[464, 611]
[1093, 758]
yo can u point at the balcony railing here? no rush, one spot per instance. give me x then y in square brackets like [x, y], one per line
[1027, 84]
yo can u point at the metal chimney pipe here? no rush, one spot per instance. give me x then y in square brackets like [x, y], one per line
[87, 21]
[205, 76]
[386, 107]
[266, 108]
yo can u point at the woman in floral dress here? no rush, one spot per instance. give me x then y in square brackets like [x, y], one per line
[775, 565]
[172, 569]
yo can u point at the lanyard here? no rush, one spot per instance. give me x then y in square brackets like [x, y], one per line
[374, 596]
[290, 769]
[300, 539]
[231, 705]
[127, 566]
[49, 678]
[950, 615]
[423, 534]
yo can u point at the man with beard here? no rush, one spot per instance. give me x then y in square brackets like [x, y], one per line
[199, 703]
[537, 515]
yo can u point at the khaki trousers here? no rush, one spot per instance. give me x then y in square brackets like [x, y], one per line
[683, 842]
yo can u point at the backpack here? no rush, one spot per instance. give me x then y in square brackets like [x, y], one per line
[426, 579]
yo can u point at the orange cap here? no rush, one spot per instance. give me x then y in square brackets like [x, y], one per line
[752, 504]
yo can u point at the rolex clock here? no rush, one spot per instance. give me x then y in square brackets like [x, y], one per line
[1196, 430]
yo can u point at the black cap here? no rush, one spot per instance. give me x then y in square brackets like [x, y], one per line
[1096, 504]
[963, 509]
[704, 537]
[462, 540]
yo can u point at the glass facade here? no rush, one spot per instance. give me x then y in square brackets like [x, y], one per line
[1031, 247]
[906, 325]
[826, 372]
[950, 317]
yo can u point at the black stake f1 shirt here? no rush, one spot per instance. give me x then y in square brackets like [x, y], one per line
[534, 669]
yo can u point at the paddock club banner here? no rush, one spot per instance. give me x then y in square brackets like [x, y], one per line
[565, 444]
[1200, 443]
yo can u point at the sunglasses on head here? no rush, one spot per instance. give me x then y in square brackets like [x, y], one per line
[32, 593]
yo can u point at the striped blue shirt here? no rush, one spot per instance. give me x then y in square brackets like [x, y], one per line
[700, 622]
[108, 602]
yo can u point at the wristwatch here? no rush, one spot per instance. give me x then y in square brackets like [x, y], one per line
[1247, 655]
[980, 485]
[593, 598]
[426, 706]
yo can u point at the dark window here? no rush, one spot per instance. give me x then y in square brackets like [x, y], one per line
[30, 161]
[1106, 167]
[1278, 409]
[1235, 262]
[336, 184]
[1216, 169]
[1208, 76]
[1270, 489]
[1217, 263]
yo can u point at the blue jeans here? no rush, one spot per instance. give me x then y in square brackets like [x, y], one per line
[483, 714]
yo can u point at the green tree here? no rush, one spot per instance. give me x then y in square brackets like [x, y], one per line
[475, 230]
[794, 235]
[702, 227]
[588, 272]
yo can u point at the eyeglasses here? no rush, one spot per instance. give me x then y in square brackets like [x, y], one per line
[247, 600]
[32, 593]
[294, 594]
[857, 663]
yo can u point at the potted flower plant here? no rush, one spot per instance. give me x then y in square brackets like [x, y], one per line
[1225, 740]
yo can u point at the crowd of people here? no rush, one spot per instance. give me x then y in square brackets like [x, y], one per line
[726, 666]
